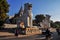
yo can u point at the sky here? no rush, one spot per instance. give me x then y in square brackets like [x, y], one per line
[51, 7]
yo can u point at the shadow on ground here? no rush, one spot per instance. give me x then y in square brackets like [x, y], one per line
[11, 30]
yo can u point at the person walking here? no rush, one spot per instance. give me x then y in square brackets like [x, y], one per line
[58, 31]
[48, 34]
[16, 32]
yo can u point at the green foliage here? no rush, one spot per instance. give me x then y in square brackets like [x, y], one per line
[4, 6]
[39, 18]
[55, 24]
[58, 24]
[4, 9]
[52, 24]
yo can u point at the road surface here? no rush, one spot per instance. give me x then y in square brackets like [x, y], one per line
[32, 37]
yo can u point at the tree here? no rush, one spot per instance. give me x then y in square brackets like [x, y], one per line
[55, 24]
[39, 18]
[52, 24]
[4, 9]
[34, 22]
[58, 24]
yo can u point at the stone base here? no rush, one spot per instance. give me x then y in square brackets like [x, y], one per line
[33, 31]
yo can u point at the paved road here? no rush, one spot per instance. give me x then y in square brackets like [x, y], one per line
[34, 37]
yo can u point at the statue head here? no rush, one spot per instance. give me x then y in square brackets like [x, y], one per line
[28, 6]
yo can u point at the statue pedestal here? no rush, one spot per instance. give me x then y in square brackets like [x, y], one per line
[33, 31]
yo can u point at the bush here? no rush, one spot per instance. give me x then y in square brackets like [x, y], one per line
[1, 23]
